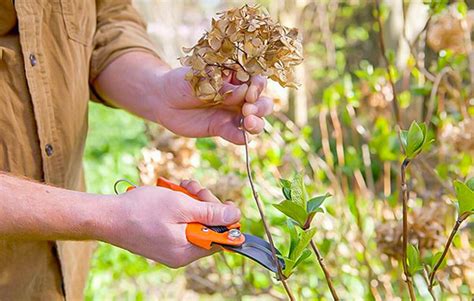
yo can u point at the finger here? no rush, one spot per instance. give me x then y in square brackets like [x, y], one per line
[237, 97]
[192, 253]
[206, 195]
[226, 124]
[184, 183]
[209, 213]
[192, 186]
[257, 85]
[232, 133]
[261, 108]
[254, 124]
[198, 190]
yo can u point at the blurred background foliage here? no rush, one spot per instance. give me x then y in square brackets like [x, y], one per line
[340, 128]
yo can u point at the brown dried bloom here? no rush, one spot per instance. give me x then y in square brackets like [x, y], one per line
[446, 31]
[459, 136]
[247, 42]
[426, 230]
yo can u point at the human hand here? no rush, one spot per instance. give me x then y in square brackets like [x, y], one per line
[182, 113]
[151, 222]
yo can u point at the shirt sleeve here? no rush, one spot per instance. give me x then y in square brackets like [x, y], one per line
[120, 29]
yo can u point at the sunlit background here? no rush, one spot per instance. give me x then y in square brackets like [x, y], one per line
[339, 128]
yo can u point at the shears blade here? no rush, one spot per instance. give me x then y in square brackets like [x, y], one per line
[257, 250]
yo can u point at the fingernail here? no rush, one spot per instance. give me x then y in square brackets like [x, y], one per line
[231, 214]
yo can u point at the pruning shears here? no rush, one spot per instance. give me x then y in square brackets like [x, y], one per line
[229, 237]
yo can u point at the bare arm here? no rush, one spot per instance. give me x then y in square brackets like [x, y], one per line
[149, 221]
[29, 210]
[129, 81]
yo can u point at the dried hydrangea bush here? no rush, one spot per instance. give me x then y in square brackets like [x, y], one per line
[246, 42]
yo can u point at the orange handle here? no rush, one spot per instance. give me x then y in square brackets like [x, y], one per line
[162, 182]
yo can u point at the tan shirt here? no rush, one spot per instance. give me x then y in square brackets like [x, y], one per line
[50, 51]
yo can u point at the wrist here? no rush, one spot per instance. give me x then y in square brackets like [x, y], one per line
[100, 217]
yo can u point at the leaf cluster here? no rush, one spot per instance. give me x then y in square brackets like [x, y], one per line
[297, 204]
[243, 42]
[298, 251]
[415, 139]
[300, 209]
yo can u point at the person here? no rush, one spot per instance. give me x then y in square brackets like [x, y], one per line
[54, 57]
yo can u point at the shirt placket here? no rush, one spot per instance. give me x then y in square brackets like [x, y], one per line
[29, 16]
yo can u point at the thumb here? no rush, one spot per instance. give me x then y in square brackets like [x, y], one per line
[213, 214]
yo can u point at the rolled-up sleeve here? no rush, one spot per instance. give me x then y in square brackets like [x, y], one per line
[120, 29]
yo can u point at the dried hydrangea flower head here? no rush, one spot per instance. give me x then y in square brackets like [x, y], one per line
[245, 41]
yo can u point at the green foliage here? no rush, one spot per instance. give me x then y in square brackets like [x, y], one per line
[465, 195]
[296, 204]
[298, 190]
[297, 252]
[413, 259]
[415, 139]
[315, 203]
[293, 210]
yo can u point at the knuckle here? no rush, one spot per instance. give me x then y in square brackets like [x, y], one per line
[210, 214]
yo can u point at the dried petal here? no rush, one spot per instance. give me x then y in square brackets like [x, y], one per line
[242, 75]
[246, 40]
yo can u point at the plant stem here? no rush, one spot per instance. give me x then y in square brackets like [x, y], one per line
[325, 271]
[430, 289]
[396, 109]
[458, 223]
[404, 187]
[264, 220]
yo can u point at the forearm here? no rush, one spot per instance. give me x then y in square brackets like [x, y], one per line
[127, 81]
[34, 211]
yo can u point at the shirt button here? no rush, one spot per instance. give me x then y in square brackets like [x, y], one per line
[33, 60]
[49, 150]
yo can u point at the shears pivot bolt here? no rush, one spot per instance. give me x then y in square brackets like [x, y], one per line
[234, 234]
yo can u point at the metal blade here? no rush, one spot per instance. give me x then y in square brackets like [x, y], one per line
[259, 251]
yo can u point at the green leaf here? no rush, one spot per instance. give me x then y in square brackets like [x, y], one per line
[435, 259]
[403, 137]
[286, 193]
[289, 265]
[470, 183]
[465, 196]
[306, 253]
[285, 183]
[415, 139]
[293, 236]
[303, 242]
[414, 260]
[316, 202]
[298, 191]
[293, 210]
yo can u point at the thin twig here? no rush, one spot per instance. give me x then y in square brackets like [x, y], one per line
[434, 92]
[404, 187]
[264, 220]
[458, 223]
[325, 271]
[430, 289]
[418, 61]
[396, 110]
